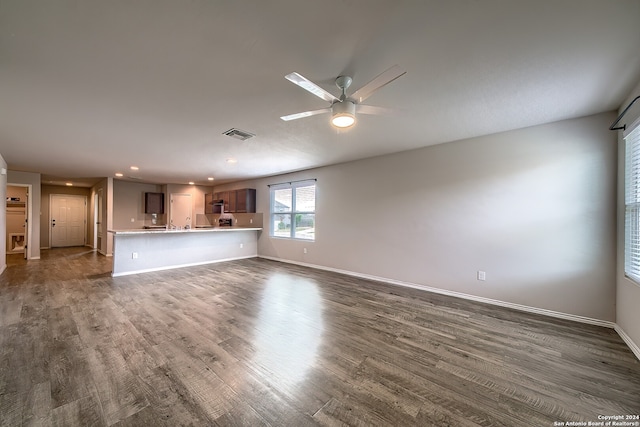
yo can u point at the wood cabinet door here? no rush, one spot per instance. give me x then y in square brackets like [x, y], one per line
[246, 200]
[233, 201]
[154, 203]
[208, 203]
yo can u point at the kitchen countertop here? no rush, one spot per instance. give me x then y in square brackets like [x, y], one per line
[190, 230]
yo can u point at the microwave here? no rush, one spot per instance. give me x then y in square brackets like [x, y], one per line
[225, 222]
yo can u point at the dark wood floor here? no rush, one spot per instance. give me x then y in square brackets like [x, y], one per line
[256, 342]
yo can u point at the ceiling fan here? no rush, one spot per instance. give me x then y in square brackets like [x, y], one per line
[343, 110]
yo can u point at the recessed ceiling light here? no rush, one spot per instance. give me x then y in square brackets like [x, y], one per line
[232, 160]
[134, 168]
[119, 175]
[191, 183]
[210, 178]
[69, 184]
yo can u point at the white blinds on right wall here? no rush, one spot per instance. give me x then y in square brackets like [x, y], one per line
[632, 204]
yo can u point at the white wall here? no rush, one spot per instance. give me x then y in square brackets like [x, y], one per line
[128, 204]
[628, 293]
[33, 179]
[3, 215]
[534, 208]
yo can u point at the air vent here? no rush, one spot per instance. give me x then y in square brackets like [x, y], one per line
[238, 134]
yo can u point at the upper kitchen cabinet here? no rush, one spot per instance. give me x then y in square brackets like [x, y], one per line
[208, 203]
[246, 200]
[232, 201]
[154, 203]
[235, 201]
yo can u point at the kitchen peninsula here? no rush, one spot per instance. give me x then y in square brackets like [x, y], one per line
[140, 251]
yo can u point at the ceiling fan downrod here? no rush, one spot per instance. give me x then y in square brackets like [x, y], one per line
[343, 82]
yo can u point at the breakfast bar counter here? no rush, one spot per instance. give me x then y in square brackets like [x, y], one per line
[144, 250]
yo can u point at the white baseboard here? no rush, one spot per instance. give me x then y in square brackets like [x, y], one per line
[3, 268]
[626, 338]
[171, 267]
[519, 307]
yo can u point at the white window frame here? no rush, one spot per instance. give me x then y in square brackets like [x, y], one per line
[632, 203]
[293, 212]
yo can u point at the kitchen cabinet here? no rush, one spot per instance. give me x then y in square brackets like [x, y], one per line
[235, 201]
[232, 201]
[246, 200]
[154, 203]
[208, 203]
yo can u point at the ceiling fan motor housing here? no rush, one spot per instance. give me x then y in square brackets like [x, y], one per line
[343, 82]
[343, 107]
[343, 113]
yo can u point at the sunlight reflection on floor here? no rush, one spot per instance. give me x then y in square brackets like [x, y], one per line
[289, 327]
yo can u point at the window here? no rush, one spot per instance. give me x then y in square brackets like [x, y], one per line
[293, 210]
[632, 205]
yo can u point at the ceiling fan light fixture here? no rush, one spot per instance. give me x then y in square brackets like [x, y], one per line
[343, 114]
[343, 120]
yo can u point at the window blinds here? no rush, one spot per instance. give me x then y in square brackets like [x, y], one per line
[632, 204]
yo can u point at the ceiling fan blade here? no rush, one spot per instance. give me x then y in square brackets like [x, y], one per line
[305, 114]
[370, 109]
[310, 86]
[382, 80]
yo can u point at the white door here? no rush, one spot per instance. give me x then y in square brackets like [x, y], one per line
[68, 215]
[180, 210]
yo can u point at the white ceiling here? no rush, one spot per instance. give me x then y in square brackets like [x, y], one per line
[89, 88]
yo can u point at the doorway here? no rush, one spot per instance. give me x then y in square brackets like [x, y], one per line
[67, 226]
[17, 225]
[98, 221]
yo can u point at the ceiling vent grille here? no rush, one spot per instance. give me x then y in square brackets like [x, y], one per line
[239, 134]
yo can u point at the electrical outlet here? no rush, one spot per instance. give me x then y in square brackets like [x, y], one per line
[482, 275]
[134, 255]
[133, 220]
[241, 245]
[304, 250]
[251, 221]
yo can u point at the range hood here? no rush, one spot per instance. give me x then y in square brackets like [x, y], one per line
[217, 202]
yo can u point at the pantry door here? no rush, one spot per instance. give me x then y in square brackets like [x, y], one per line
[67, 220]
[180, 210]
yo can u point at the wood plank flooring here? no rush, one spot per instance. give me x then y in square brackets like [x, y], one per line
[256, 342]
